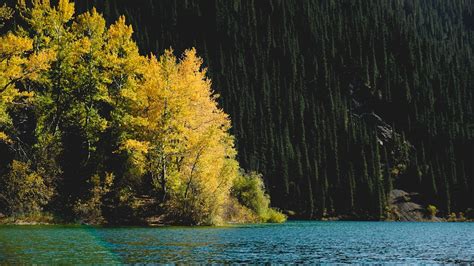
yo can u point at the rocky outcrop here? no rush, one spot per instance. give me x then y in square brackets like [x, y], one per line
[364, 107]
[405, 206]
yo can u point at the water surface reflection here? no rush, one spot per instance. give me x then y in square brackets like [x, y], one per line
[293, 242]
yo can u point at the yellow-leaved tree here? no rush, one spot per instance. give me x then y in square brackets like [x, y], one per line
[23, 189]
[180, 138]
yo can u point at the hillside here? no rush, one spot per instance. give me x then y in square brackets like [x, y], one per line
[335, 102]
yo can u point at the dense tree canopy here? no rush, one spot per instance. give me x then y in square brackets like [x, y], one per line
[335, 102]
[93, 131]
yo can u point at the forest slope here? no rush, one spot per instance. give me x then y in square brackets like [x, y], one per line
[335, 102]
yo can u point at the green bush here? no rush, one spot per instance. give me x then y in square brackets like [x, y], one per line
[432, 210]
[249, 190]
[237, 213]
[274, 216]
[452, 217]
[90, 210]
[23, 191]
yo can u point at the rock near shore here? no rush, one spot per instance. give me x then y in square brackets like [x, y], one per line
[404, 206]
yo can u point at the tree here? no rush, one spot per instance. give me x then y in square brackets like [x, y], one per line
[179, 137]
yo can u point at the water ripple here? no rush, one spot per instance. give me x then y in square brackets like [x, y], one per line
[293, 242]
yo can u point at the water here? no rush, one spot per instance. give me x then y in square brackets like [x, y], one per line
[292, 242]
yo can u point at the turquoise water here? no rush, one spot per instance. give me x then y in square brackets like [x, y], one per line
[292, 242]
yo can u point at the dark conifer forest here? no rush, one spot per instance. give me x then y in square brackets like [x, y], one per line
[335, 102]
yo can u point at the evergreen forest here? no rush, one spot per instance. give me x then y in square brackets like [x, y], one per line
[336, 103]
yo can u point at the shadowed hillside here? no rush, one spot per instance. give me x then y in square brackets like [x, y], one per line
[336, 103]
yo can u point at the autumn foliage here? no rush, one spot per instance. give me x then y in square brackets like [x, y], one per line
[93, 131]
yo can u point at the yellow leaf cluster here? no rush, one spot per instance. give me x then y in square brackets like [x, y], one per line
[4, 138]
[136, 146]
[5, 14]
[65, 10]
[11, 45]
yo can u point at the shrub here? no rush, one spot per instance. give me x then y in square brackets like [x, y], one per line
[237, 213]
[274, 216]
[432, 211]
[249, 190]
[90, 210]
[452, 217]
[23, 191]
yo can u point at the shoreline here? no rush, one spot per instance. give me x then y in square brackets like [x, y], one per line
[329, 219]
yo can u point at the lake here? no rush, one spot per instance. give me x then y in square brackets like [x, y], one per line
[292, 242]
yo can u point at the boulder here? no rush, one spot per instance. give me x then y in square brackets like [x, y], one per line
[405, 207]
